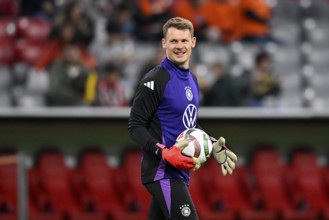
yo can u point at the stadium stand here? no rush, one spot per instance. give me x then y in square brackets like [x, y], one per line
[9, 8]
[307, 183]
[292, 25]
[8, 192]
[33, 29]
[201, 201]
[98, 180]
[231, 196]
[7, 28]
[6, 52]
[272, 187]
[138, 199]
[98, 187]
[56, 182]
[28, 52]
[269, 171]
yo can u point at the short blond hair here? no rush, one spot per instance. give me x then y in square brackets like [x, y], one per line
[179, 23]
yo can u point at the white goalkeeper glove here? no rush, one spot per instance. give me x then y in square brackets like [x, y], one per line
[224, 156]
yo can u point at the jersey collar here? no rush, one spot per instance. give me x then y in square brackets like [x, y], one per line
[172, 67]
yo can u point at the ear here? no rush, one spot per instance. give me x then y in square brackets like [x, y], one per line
[163, 43]
[193, 42]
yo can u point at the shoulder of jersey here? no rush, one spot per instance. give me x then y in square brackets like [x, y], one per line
[158, 76]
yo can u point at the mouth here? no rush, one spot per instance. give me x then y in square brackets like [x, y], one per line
[179, 53]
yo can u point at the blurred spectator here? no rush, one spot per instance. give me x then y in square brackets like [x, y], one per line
[190, 9]
[39, 8]
[227, 20]
[99, 8]
[221, 19]
[253, 21]
[83, 26]
[67, 79]
[222, 90]
[115, 48]
[263, 83]
[154, 7]
[55, 46]
[150, 17]
[124, 17]
[159, 55]
[47, 10]
[5, 84]
[110, 88]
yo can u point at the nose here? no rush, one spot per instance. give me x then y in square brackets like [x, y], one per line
[179, 44]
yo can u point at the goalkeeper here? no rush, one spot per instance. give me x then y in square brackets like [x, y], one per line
[166, 103]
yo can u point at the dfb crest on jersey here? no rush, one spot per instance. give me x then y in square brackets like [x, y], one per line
[189, 116]
[185, 210]
[188, 93]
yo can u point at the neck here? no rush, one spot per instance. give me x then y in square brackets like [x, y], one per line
[181, 65]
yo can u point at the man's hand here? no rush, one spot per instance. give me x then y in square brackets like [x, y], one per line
[224, 156]
[174, 156]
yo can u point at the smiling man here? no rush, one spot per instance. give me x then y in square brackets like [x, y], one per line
[178, 41]
[165, 104]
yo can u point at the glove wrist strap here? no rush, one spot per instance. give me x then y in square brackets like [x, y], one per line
[158, 150]
[213, 140]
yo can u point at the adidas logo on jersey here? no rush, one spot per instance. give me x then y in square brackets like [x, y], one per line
[150, 84]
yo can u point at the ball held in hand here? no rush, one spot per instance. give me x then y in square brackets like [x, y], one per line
[199, 144]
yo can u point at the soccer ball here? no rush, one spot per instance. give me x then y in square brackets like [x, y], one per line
[200, 145]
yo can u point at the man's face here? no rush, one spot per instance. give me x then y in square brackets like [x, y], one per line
[72, 54]
[265, 64]
[178, 45]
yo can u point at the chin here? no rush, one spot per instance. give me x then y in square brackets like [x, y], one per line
[180, 60]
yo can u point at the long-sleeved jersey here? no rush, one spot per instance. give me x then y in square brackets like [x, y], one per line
[165, 104]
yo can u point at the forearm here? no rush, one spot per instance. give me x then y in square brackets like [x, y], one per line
[143, 138]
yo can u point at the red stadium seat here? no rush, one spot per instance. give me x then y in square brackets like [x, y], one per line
[9, 7]
[129, 216]
[8, 216]
[33, 29]
[7, 28]
[308, 182]
[98, 179]
[304, 162]
[269, 171]
[7, 51]
[38, 214]
[55, 179]
[200, 201]
[93, 159]
[87, 216]
[8, 188]
[228, 194]
[28, 52]
[101, 181]
[267, 160]
[212, 180]
[137, 198]
[46, 216]
[39, 201]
